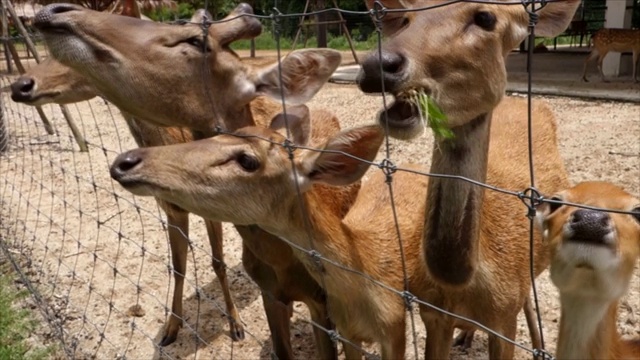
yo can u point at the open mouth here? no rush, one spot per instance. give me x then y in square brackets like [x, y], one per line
[403, 117]
[46, 27]
[33, 99]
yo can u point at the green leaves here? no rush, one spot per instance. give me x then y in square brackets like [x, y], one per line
[431, 113]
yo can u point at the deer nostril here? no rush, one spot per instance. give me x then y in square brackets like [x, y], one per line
[61, 8]
[590, 226]
[124, 163]
[393, 66]
[26, 85]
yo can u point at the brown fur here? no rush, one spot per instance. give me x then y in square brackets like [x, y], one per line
[591, 278]
[267, 259]
[461, 64]
[365, 239]
[617, 40]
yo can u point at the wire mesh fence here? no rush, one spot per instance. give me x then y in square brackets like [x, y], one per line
[97, 259]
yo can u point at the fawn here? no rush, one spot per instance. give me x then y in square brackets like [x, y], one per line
[593, 254]
[618, 40]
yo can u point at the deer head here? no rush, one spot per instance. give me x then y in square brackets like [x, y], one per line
[218, 177]
[456, 53]
[593, 255]
[177, 74]
[52, 82]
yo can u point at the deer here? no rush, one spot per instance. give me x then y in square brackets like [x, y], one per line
[617, 40]
[268, 261]
[459, 61]
[221, 186]
[593, 253]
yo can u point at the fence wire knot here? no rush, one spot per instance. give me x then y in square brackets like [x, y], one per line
[531, 198]
[542, 354]
[317, 259]
[377, 13]
[290, 146]
[276, 15]
[333, 335]
[409, 298]
[533, 15]
[389, 168]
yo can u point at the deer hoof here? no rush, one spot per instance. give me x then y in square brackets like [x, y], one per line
[171, 331]
[464, 339]
[237, 331]
[168, 339]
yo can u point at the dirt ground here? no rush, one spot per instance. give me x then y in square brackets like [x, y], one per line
[93, 250]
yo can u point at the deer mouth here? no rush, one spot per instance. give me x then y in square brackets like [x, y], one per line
[402, 117]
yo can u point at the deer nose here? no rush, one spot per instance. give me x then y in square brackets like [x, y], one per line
[386, 68]
[46, 14]
[124, 163]
[22, 89]
[590, 226]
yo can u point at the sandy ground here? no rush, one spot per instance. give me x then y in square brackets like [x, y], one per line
[93, 250]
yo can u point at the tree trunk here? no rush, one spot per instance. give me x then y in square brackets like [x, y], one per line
[321, 27]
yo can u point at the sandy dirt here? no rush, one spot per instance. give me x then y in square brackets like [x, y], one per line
[93, 250]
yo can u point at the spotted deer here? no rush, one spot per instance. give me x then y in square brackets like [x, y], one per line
[248, 178]
[593, 254]
[456, 54]
[617, 40]
[266, 258]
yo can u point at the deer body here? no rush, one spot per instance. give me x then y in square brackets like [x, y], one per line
[616, 40]
[593, 254]
[365, 239]
[459, 60]
[268, 260]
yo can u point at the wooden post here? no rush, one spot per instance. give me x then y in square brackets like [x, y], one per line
[5, 38]
[82, 143]
[4, 134]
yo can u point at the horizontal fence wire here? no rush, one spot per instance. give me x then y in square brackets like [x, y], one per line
[70, 232]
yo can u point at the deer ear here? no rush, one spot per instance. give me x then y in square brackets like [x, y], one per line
[341, 161]
[239, 24]
[130, 8]
[304, 72]
[299, 122]
[200, 15]
[555, 17]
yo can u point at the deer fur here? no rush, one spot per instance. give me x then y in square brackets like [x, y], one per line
[459, 60]
[267, 259]
[593, 254]
[365, 239]
[617, 40]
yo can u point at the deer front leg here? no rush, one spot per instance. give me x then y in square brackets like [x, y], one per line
[178, 224]
[276, 307]
[498, 348]
[319, 315]
[439, 336]
[636, 57]
[600, 60]
[214, 230]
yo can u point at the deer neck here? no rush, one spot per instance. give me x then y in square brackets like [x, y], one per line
[452, 222]
[318, 226]
[587, 329]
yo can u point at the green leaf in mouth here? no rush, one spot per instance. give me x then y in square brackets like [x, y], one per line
[431, 114]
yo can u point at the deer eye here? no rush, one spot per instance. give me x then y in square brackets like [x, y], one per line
[554, 206]
[248, 162]
[485, 20]
[197, 43]
[636, 213]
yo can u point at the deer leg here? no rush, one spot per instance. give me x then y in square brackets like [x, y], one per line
[498, 348]
[532, 323]
[600, 60]
[214, 230]
[352, 349]
[276, 307]
[465, 338]
[592, 54]
[326, 347]
[178, 228]
[394, 347]
[439, 336]
[636, 57]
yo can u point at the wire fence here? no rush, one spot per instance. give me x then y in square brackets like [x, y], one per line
[97, 259]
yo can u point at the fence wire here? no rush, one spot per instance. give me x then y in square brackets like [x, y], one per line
[68, 229]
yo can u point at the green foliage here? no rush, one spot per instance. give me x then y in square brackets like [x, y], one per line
[15, 325]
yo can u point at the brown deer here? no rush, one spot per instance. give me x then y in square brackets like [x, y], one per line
[268, 260]
[593, 254]
[617, 40]
[458, 58]
[223, 187]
